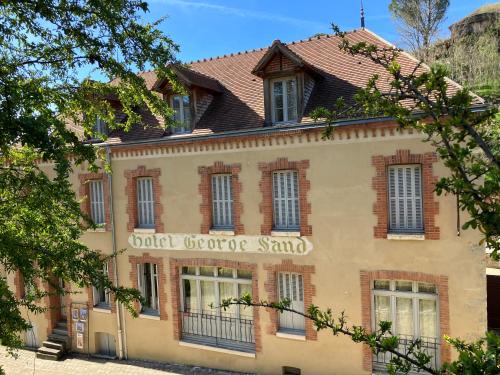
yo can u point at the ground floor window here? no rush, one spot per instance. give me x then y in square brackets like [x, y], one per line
[100, 293]
[291, 288]
[147, 282]
[412, 308]
[203, 321]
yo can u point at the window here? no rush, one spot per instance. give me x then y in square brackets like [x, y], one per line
[182, 116]
[284, 100]
[412, 308]
[101, 295]
[291, 287]
[145, 203]
[222, 201]
[147, 281]
[203, 290]
[405, 199]
[96, 193]
[286, 200]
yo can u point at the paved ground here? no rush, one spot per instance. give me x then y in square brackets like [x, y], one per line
[27, 364]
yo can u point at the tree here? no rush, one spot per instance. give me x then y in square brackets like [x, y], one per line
[419, 21]
[44, 47]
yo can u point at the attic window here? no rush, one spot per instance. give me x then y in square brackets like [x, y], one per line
[284, 99]
[182, 117]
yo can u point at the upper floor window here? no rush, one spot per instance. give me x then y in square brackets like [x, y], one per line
[147, 281]
[405, 199]
[145, 203]
[182, 117]
[284, 99]
[96, 193]
[286, 200]
[222, 201]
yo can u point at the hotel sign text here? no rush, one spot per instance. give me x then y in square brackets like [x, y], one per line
[219, 243]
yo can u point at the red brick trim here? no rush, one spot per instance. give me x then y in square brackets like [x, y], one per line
[85, 194]
[90, 290]
[271, 287]
[441, 282]
[131, 192]
[266, 188]
[20, 289]
[205, 189]
[176, 264]
[146, 258]
[379, 184]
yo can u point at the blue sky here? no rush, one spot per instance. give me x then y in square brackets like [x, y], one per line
[205, 28]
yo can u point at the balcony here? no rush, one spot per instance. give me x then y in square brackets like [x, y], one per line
[218, 329]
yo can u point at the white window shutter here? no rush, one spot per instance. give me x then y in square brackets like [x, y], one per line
[222, 201]
[145, 202]
[286, 200]
[95, 296]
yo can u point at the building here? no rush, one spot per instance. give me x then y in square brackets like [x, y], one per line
[246, 196]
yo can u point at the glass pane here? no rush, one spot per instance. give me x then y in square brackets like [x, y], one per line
[206, 271]
[208, 297]
[189, 270]
[187, 110]
[244, 274]
[426, 288]
[246, 312]
[382, 310]
[278, 100]
[225, 272]
[226, 291]
[190, 296]
[404, 286]
[428, 318]
[404, 316]
[291, 93]
[382, 285]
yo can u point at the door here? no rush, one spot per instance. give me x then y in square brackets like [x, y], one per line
[31, 339]
[62, 285]
[493, 291]
[105, 344]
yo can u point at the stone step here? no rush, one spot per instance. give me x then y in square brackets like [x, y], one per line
[54, 345]
[59, 339]
[45, 350]
[50, 357]
[62, 325]
[60, 332]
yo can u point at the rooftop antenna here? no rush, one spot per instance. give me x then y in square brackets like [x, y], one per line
[362, 16]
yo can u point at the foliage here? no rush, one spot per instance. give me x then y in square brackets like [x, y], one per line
[480, 357]
[45, 45]
[466, 140]
[419, 20]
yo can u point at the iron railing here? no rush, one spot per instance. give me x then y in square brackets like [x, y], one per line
[429, 345]
[220, 329]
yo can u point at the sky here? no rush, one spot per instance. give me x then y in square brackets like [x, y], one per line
[209, 28]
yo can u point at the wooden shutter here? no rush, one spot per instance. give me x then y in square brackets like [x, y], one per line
[291, 287]
[145, 202]
[141, 279]
[222, 201]
[405, 198]
[286, 200]
[96, 201]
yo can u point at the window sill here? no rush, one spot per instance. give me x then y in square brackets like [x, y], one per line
[102, 310]
[221, 232]
[145, 230]
[291, 336]
[282, 233]
[405, 236]
[148, 316]
[219, 350]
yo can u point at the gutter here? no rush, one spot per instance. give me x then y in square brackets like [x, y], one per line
[122, 354]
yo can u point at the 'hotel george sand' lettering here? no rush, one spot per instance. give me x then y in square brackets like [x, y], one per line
[218, 243]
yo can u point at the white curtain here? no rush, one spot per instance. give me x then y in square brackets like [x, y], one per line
[382, 310]
[208, 297]
[404, 316]
[428, 318]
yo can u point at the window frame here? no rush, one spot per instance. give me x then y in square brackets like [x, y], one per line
[97, 302]
[283, 81]
[217, 202]
[301, 298]
[285, 200]
[186, 127]
[141, 204]
[93, 203]
[154, 287]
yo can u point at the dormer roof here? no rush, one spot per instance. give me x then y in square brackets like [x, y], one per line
[189, 78]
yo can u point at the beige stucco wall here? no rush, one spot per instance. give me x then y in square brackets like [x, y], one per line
[341, 198]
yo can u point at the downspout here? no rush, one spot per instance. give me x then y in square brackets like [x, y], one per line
[119, 307]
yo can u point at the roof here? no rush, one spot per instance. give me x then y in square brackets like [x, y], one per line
[239, 104]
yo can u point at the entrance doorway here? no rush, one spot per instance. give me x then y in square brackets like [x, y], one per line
[493, 291]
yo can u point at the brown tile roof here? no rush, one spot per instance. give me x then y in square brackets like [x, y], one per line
[240, 103]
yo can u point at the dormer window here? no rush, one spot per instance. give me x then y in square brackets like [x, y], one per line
[284, 99]
[99, 130]
[182, 117]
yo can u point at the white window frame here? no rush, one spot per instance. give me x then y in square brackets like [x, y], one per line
[291, 286]
[145, 202]
[284, 81]
[284, 203]
[186, 126]
[98, 302]
[96, 198]
[222, 201]
[154, 309]
[405, 203]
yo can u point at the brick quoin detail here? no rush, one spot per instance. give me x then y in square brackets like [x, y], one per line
[131, 192]
[19, 285]
[266, 188]
[85, 194]
[162, 279]
[175, 266]
[205, 189]
[90, 290]
[441, 282]
[271, 287]
[380, 182]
